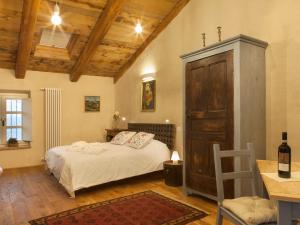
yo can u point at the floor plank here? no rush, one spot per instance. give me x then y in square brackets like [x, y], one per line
[30, 193]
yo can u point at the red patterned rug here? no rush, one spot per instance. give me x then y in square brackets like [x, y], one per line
[145, 208]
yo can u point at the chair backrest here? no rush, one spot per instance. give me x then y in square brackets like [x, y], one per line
[248, 174]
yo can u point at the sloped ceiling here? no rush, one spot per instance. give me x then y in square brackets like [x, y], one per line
[101, 36]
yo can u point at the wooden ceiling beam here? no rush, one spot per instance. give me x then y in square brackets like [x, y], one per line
[164, 23]
[106, 19]
[27, 29]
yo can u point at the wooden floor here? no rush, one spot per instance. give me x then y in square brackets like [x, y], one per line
[31, 193]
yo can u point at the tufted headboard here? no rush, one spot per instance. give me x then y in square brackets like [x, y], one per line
[163, 132]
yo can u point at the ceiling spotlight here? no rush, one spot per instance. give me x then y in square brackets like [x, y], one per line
[138, 28]
[56, 19]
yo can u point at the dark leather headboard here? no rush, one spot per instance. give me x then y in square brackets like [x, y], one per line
[163, 132]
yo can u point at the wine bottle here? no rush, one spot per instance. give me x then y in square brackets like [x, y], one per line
[284, 158]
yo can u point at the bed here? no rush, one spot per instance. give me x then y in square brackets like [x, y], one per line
[106, 162]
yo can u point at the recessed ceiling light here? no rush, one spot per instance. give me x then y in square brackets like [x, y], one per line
[56, 19]
[138, 28]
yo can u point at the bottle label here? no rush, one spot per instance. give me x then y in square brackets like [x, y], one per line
[283, 167]
[283, 162]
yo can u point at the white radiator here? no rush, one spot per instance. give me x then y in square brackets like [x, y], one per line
[52, 117]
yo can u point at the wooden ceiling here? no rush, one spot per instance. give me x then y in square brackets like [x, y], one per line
[103, 41]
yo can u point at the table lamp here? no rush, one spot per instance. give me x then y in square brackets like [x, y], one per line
[175, 157]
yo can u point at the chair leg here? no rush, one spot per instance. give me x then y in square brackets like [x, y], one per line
[219, 220]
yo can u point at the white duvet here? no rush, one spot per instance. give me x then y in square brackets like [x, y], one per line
[83, 165]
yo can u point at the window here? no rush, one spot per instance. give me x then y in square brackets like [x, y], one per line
[15, 117]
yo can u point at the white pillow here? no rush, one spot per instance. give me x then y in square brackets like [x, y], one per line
[140, 140]
[122, 137]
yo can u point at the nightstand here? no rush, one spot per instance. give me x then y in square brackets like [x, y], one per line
[110, 133]
[173, 173]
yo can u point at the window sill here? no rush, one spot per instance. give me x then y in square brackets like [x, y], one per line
[20, 147]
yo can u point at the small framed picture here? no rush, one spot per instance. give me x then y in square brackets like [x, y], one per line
[148, 96]
[92, 103]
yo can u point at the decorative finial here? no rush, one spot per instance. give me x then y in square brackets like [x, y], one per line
[220, 33]
[203, 39]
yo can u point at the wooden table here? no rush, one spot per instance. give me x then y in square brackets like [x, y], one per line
[286, 193]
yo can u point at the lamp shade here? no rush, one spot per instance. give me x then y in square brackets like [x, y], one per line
[1, 170]
[175, 157]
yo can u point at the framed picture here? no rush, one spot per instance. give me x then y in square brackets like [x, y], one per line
[148, 96]
[92, 103]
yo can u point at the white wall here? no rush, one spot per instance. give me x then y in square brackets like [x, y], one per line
[76, 124]
[276, 22]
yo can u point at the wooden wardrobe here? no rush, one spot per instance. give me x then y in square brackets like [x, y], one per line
[224, 103]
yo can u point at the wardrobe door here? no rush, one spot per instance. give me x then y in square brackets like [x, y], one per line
[209, 120]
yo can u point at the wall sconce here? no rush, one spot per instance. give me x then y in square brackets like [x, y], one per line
[167, 121]
[123, 119]
[148, 77]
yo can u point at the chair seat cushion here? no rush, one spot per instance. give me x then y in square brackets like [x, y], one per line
[252, 210]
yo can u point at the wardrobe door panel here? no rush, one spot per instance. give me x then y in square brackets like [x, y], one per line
[209, 119]
[198, 95]
[217, 81]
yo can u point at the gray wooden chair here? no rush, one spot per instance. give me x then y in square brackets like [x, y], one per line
[232, 208]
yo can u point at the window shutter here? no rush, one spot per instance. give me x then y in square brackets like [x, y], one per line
[27, 119]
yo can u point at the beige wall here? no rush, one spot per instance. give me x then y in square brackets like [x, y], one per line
[273, 21]
[76, 124]
[276, 22]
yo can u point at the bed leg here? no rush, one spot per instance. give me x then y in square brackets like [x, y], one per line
[72, 194]
[48, 171]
